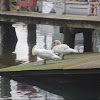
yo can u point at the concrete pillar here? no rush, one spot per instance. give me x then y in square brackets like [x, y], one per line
[0, 41]
[31, 40]
[69, 36]
[87, 35]
[9, 38]
[88, 45]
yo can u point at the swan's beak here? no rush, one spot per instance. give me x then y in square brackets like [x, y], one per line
[52, 45]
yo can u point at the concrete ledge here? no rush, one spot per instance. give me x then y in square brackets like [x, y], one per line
[75, 21]
[51, 72]
[85, 63]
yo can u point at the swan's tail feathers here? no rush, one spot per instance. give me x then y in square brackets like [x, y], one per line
[74, 51]
[56, 57]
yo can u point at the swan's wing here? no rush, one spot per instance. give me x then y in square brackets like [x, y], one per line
[60, 48]
[46, 54]
[64, 46]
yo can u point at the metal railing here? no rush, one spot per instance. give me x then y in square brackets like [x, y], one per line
[93, 8]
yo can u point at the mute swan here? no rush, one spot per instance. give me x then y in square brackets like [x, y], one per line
[44, 54]
[62, 49]
[59, 45]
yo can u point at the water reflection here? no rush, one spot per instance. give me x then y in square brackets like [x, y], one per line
[25, 91]
[21, 49]
[14, 90]
[28, 90]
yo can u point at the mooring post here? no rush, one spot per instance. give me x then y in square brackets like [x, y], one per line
[31, 40]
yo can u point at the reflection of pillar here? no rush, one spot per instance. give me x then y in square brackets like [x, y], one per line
[31, 40]
[9, 38]
[69, 36]
[5, 87]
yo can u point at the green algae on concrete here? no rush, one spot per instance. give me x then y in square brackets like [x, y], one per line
[72, 61]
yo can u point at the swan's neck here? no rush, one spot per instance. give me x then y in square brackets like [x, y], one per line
[34, 49]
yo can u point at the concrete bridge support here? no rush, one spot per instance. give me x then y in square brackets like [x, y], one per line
[9, 38]
[8, 43]
[88, 45]
[87, 35]
[31, 40]
[69, 37]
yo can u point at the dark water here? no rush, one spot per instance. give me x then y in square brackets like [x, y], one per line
[75, 87]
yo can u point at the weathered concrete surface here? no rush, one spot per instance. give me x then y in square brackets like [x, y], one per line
[76, 21]
[86, 63]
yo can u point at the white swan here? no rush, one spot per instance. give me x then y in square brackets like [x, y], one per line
[62, 49]
[44, 54]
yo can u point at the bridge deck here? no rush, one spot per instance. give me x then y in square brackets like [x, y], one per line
[76, 21]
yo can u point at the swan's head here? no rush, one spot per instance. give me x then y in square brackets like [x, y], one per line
[56, 42]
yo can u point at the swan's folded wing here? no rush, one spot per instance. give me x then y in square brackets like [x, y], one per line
[46, 54]
[61, 47]
[70, 50]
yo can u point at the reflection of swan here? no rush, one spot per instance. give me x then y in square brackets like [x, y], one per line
[44, 54]
[62, 49]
